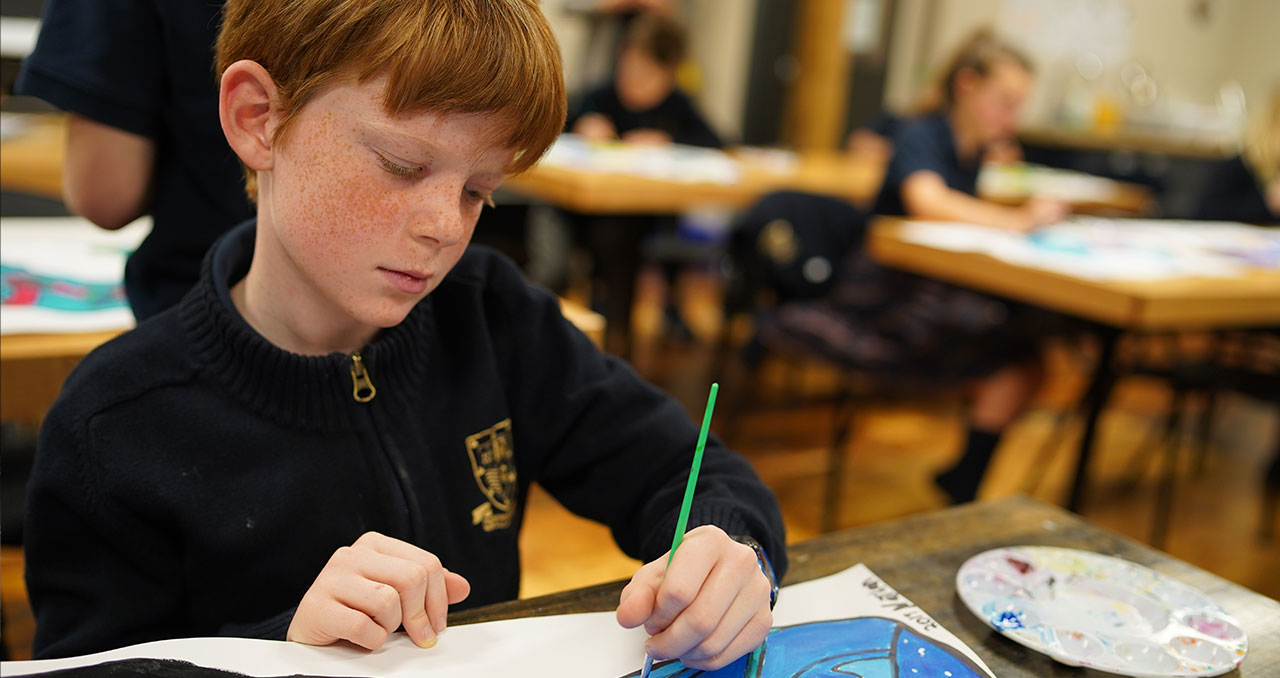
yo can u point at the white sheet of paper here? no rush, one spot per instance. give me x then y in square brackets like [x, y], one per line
[1115, 249]
[590, 645]
[672, 162]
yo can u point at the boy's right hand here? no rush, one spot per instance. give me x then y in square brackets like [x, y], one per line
[369, 589]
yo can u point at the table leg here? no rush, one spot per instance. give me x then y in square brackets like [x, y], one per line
[615, 249]
[1095, 398]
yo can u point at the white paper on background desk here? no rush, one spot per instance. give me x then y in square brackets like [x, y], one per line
[68, 248]
[1020, 180]
[589, 645]
[1115, 249]
[672, 162]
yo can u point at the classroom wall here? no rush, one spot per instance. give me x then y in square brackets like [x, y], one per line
[1188, 53]
[1254, 52]
[720, 33]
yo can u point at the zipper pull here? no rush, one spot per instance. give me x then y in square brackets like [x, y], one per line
[361, 386]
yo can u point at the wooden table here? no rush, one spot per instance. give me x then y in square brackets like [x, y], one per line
[920, 555]
[1117, 306]
[1186, 303]
[33, 366]
[832, 173]
[620, 206]
[1186, 144]
[32, 161]
[826, 173]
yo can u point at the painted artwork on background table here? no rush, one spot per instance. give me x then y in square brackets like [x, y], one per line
[864, 647]
[20, 287]
[63, 274]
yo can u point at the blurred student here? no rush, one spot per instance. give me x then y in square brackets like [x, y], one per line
[642, 104]
[895, 323]
[333, 435]
[1247, 186]
[143, 137]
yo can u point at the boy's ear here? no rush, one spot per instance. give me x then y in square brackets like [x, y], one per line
[247, 109]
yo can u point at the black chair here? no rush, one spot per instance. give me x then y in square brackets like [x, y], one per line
[789, 247]
[1243, 362]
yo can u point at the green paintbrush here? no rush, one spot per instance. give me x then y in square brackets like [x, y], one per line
[688, 497]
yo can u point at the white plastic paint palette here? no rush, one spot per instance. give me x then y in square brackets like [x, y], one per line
[1086, 609]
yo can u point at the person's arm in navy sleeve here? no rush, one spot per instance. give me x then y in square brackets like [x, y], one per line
[612, 448]
[90, 551]
[926, 195]
[591, 118]
[103, 62]
[106, 175]
[693, 128]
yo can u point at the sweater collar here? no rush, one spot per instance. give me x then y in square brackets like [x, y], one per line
[307, 391]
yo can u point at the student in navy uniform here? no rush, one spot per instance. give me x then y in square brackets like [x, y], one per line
[333, 435]
[900, 324]
[1247, 186]
[642, 103]
[137, 78]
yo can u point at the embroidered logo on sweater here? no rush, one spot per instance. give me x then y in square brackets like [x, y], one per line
[492, 454]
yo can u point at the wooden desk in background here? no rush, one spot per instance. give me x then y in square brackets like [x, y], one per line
[587, 192]
[1252, 300]
[919, 556]
[31, 162]
[855, 179]
[1182, 144]
[614, 201]
[1176, 304]
[33, 366]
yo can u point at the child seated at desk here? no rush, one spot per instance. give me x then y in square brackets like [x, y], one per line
[334, 434]
[895, 323]
[1246, 187]
[642, 104]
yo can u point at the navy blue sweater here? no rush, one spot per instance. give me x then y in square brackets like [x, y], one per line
[193, 479]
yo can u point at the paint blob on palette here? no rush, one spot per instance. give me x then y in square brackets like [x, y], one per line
[1087, 609]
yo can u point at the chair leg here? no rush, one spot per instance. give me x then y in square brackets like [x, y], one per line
[1031, 480]
[752, 358]
[1147, 452]
[1205, 431]
[1168, 476]
[845, 412]
[1271, 497]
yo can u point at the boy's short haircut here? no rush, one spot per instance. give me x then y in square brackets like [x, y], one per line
[440, 56]
[660, 36]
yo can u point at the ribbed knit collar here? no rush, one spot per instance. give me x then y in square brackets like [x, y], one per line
[311, 392]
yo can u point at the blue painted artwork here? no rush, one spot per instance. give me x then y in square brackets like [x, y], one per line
[865, 647]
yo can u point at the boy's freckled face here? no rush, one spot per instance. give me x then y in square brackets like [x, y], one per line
[369, 211]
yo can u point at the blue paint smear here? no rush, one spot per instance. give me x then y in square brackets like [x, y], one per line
[865, 647]
[1007, 621]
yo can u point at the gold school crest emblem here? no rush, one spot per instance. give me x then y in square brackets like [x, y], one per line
[492, 455]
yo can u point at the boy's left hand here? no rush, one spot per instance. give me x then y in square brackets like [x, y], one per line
[709, 608]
